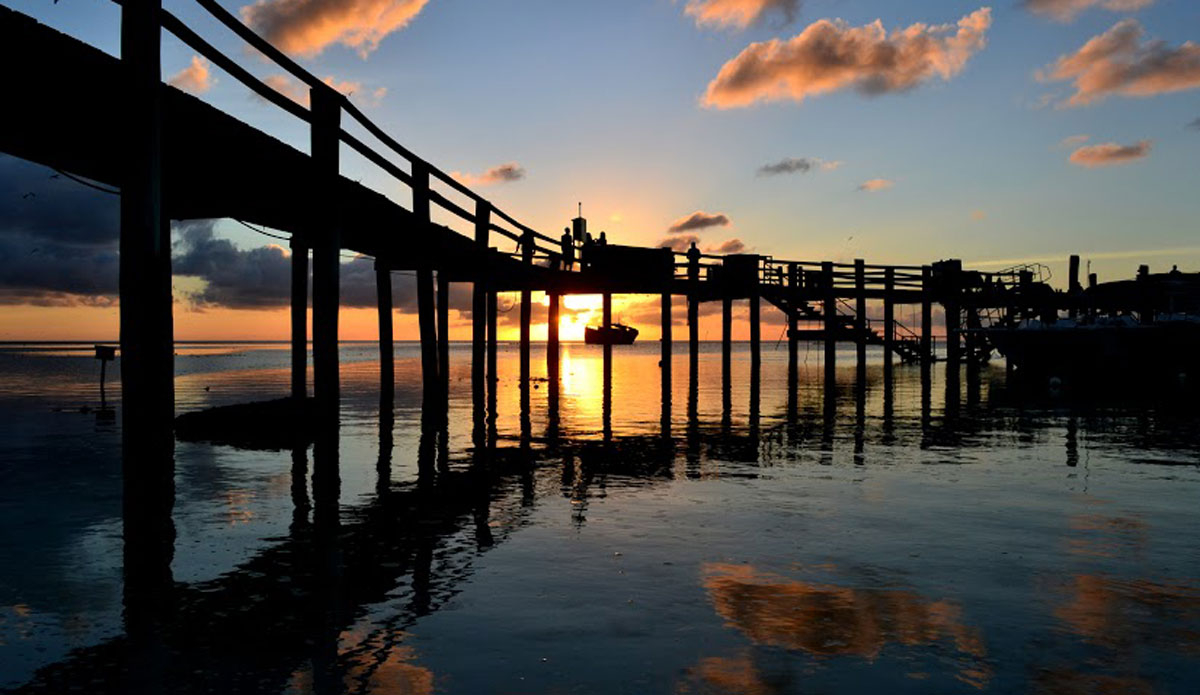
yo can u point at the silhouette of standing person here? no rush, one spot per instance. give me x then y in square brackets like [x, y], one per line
[603, 240]
[568, 250]
[587, 245]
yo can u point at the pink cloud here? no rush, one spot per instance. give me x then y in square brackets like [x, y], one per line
[504, 173]
[738, 14]
[876, 185]
[195, 78]
[1066, 10]
[307, 27]
[1118, 62]
[698, 220]
[1073, 140]
[679, 242]
[830, 55]
[1110, 154]
[727, 246]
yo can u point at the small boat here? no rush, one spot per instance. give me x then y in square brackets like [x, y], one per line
[614, 334]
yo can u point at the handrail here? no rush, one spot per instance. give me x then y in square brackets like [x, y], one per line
[174, 25]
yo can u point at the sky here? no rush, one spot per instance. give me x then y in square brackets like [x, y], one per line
[900, 132]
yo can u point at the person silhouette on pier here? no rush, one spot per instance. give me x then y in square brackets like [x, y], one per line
[568, 250]
[603, 241]
[693, 254]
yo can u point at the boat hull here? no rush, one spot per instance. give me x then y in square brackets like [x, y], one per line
[611, 335]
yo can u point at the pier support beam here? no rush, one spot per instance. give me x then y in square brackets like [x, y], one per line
[755, 336]
[793, 326]
[299, 317]
[664, 362]
[326, 116]
[552, 346]
[726, 346]
[889, 323]
[427, 326]
[693, 274]
[831, 322]
[483, 213]
[607, 319]
[146, 324]
[443, 335]
[493, 346]
[527, 243]
[387, 352]
[860, 320]
[926, 315]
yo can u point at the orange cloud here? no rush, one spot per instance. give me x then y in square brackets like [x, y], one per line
[830, 55]
[1066, 10]
[504, 173]
[195, 78]
[727, 246]
[698, 220]
[680, 242]
[307, 27]
[1110, 154]
[1073, 140]
[875, 185]
[738, 14]
[1118, 62]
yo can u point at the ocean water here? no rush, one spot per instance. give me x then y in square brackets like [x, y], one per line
[937, 537]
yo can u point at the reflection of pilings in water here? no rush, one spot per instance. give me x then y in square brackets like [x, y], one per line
[692, 449]
[383, 464]
[726, 355]
[606, 312]
[860, 423]
[493, 375]
[1073, 441]
[299, 488]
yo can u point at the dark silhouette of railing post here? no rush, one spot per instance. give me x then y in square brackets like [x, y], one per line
[860, 320]
[299, 316]
[443, 335]
[1073, 286]
[926, 315]
[889, 323]
[326, 117]
[606, 310]
[426, 319]
[726, 348]
[483, 222]
[146, 323]
[527, 242]
[664, 362]
[387, 352]
[493, 347]
[552, 318]
[831, 322]
[755, 330]
[793, 325]
[693, 274]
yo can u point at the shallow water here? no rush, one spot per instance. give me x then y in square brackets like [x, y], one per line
[922, 540]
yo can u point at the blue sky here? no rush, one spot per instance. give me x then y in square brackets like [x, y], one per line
[601, 103]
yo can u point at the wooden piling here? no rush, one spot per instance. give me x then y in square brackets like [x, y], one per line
[607, 319]
[443, 334]
[926, 315]
[889, 322]
[299, 317]
[526, 317]
[427, 327]
[1073, 286]
[493, 347]
[326, 239]
[387, 352]
[693, 274]
[552, 346]
[483, 213]
[726, 340]
[755, 336]
[793, 325]
[831, 322]
[664, 362]
[860, 319]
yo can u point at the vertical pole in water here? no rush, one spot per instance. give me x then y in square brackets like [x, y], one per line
[793, 304]
[694, 311]
[493, 346]
[426, 319]
[726, 344]
[387, 352]
[443, 336]
[147, 336]
[860, 320]
[953, 294]
[1073, 286]
[483, 214]
[755, 335]
[664, 361]
[831, 321]
[299, 317]
[926, 315]
[326, 115]
[889, 323]
[607, 320]
[526, 317]
[552, 320]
